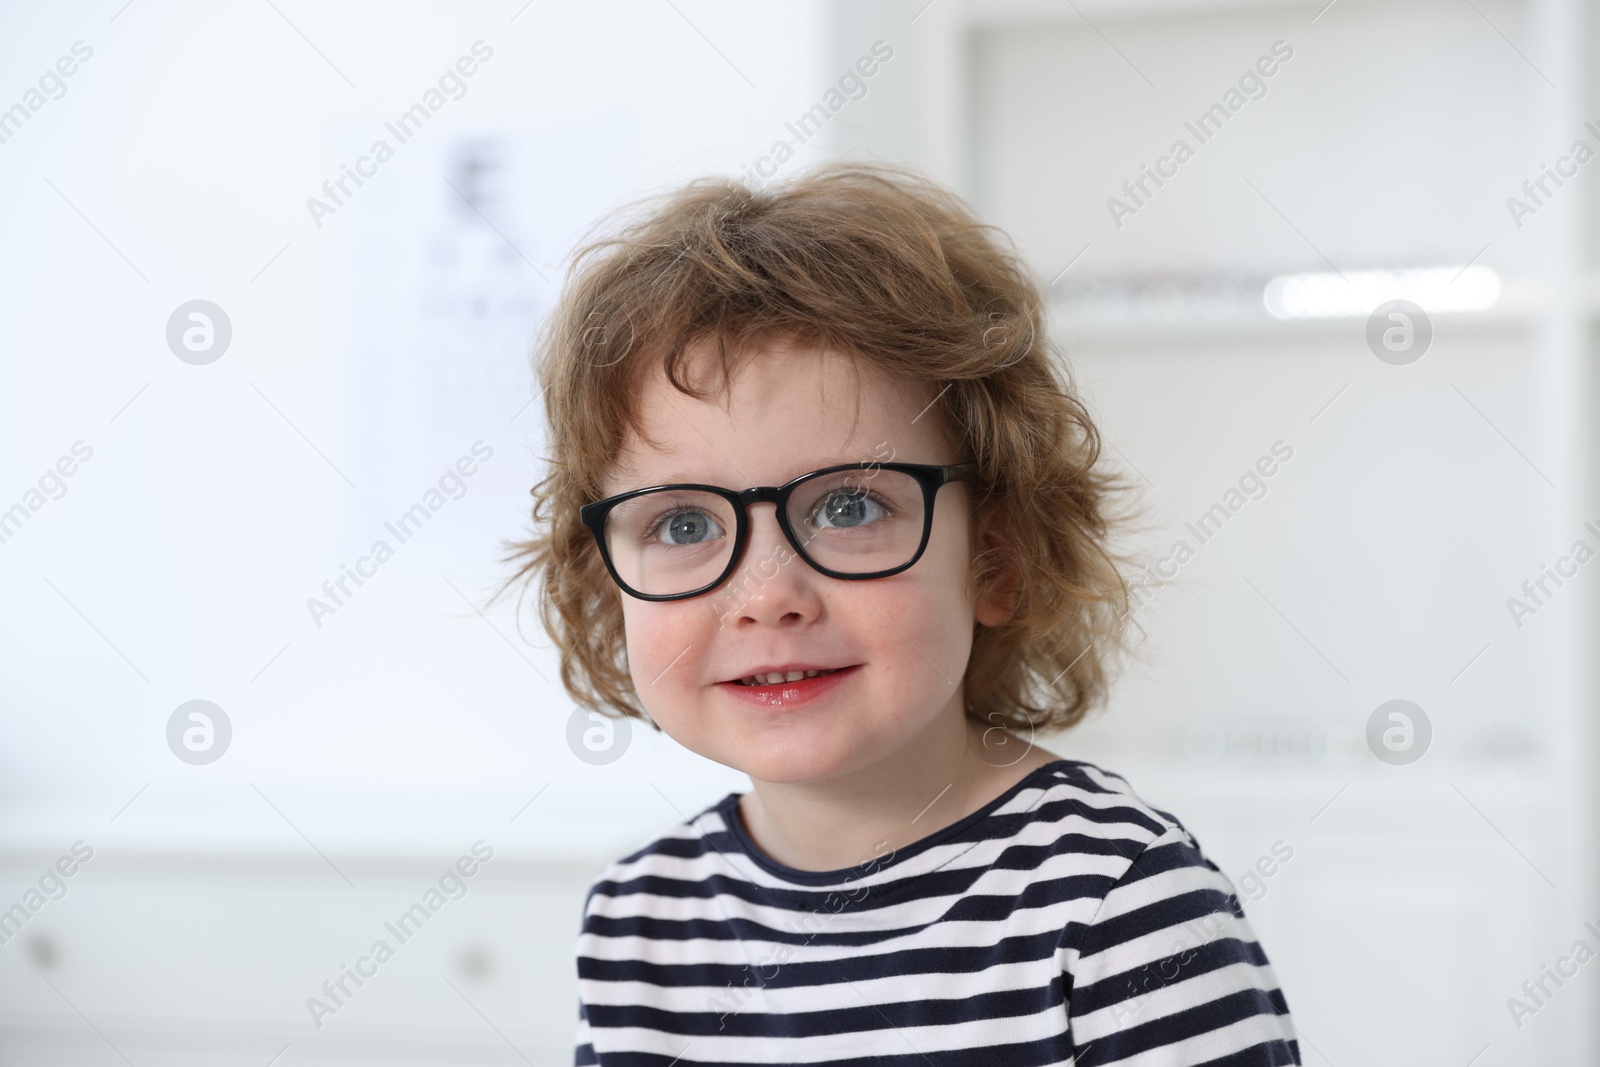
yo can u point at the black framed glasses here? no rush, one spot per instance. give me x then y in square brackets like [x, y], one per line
[854, 521]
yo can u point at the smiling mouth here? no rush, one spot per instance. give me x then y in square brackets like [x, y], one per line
[776, 678]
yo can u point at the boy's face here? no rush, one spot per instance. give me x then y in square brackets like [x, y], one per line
[904, 639]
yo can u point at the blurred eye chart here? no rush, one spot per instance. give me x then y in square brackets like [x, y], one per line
[450, 263]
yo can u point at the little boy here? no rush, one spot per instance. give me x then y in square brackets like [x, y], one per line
[823, 508]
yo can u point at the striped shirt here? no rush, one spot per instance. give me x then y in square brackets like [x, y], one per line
[1064, 922]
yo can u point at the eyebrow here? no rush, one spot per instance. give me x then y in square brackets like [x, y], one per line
[678, 477]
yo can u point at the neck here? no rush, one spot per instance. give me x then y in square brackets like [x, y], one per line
[868, 813]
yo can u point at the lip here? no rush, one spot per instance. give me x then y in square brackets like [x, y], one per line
[785, 668]
[785, 695]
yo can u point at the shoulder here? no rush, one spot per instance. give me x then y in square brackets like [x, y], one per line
[1101, 812]
[1137, 869]
[1098, 810]
[1162, 952]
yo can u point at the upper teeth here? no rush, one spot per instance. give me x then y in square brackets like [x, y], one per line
[775, 677]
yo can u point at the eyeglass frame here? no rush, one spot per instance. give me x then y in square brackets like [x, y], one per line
[932, 477]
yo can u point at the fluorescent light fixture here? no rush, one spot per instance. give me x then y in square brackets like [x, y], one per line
[1355, 294]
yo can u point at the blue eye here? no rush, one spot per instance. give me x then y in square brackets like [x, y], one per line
[846, 509]
[687, 528]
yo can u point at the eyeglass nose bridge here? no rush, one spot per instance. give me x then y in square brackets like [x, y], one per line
[761, 494]
[776, 496]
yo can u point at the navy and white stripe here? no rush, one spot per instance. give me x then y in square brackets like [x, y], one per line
[1066, 922]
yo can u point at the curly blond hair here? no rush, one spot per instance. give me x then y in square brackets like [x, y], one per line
[893, 269]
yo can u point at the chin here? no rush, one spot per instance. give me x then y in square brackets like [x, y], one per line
[797, 756]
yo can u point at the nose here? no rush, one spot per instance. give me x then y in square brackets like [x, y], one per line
[772, 584]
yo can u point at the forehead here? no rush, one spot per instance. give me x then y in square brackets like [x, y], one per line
[789, 409]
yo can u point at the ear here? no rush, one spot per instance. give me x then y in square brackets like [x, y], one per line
[1000, 603]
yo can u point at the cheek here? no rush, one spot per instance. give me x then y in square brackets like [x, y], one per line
[644, 633]
[929, 613]
[948, 562]
[950, 593]
[663, 641]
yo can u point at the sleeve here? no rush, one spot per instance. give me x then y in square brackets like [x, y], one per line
[584, 1055]
[1169, 974]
